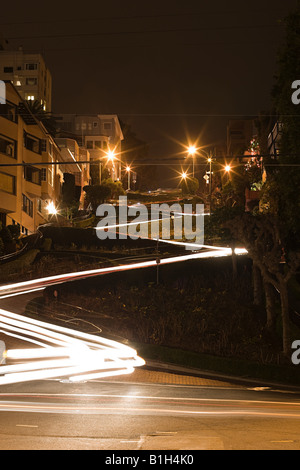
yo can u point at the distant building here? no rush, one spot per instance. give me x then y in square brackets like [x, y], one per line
[71, 152]
[101, 135]
[30, 193]
[29, 74]
[240, 132]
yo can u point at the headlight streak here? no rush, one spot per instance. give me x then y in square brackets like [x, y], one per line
[39, 284]
[78, 356]
[75, 356]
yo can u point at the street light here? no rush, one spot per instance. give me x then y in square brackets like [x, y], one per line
[111, 158]
[184, 175]
[228, 168]
[192, 150]
[210, 182]
[51, 209]
[128, 169]
[111, 155]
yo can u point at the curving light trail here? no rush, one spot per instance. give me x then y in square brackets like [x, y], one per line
[64, 353]
[40, 284]
[61, 353]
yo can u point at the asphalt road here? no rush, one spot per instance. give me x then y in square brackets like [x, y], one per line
[149, 411]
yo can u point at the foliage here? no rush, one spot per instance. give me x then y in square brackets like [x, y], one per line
[115, 187]
[46, 118]
[189, 186]
[272, 235]
[97, 194]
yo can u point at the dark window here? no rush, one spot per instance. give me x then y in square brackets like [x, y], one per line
[8, 69]
[8, 146]
[27, 205]
[44, 174]
[9, 111]
[32, 174]
[31, 66]
[32, 143]
[31, 81]
[44, 145]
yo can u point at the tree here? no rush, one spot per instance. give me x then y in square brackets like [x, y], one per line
[264, 236]
[115, 188]
[46, 118]
[97, 194]
[272, 235]
[189, 186]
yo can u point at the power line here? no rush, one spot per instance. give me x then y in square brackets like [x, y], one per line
[152, 31]
[140, 17]
[153, 162]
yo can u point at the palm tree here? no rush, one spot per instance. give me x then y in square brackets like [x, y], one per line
[46, 118]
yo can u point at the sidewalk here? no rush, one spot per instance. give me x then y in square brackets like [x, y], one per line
[171, 374]
[153, 375]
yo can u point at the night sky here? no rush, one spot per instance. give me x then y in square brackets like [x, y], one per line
[174, 70]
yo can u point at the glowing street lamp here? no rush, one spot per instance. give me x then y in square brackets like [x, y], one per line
[192, 151]
[128, 169]
[111, 155]
[51, 209]
[228, 168]
[184, 175]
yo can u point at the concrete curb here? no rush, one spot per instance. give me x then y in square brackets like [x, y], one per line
[250, 381]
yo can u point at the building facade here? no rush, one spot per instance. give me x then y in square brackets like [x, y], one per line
[101, 136]
[30, 175]
[29, 74]
[72, 155]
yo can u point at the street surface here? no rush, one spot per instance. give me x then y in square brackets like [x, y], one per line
[149, 410]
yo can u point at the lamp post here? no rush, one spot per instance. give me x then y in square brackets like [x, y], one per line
[192, 151]
[111, 158]
[210, 181]
[128, 169]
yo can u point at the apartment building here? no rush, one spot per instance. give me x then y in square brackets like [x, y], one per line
[29, 74]
[72, 155]
[30, 175]
[101, 135]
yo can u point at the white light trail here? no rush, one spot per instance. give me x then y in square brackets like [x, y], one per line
[42, 283]
[61, 353]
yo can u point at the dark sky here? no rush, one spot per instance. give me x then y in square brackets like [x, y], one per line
[173, 69]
